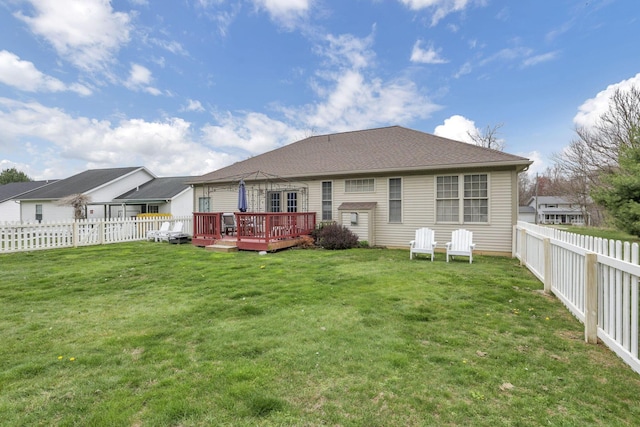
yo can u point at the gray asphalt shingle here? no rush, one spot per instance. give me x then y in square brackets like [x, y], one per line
[389, 149]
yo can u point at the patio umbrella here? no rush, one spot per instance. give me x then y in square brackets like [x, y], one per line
[242, 197]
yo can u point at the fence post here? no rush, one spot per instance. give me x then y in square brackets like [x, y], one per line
[591, 298]
[75, 233]
[548, 265]
[514, 242]
[523, 247]
[101, 232]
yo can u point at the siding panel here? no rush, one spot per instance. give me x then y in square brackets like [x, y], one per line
[418, 209]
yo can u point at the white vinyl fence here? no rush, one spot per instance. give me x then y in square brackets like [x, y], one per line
[596, 279]
[19, 237]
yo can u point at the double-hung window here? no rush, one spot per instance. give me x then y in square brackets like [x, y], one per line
[471, 199]
[395, 200]
[476, 198]
[327, 201]
[447, 199]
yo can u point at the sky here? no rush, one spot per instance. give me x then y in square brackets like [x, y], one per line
[185, 87]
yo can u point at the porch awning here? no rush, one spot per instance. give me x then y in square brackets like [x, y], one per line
[357, 206]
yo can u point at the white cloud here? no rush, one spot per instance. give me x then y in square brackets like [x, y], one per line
[348, 51]
[350, 99]
[538, 59]
[458, 128]
[25, 76]
[539, 164]
[441, 8]
[426, 56]
[466, 68]
[254, 133]
[193, 105]
[288, 13]
[170, 45]
[86, 33]
[139, 79]
[591, 110]
[508, 54]
[166, 147]
[347, 99]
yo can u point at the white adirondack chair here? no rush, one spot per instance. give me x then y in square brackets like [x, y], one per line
[461, 244]
[424, 243]
[175, 231]
[154, 234]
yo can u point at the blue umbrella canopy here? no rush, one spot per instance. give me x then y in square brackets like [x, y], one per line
[242, 197]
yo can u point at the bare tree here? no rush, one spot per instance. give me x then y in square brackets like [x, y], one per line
[596, 149]
[78, 202]
[526, 188]
[488, 137]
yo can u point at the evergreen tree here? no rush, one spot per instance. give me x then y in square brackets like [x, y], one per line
[12, 175]
[620, 193]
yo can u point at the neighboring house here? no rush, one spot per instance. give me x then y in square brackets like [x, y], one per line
[527, 214]
[114, 193]
[381, 183]
[557, 210]
[160, 195]
[9, 198]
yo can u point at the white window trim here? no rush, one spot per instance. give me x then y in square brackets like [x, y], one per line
[360, 192]
[401, 201]
[322, 200]
[461, 199]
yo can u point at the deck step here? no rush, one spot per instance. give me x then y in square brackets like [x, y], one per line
[221, 248]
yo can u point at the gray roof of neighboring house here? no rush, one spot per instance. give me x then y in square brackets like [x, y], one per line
[526, 209]
[551, 200]
[156, 189]
[80, 183]
[383, 150]
[15, 189]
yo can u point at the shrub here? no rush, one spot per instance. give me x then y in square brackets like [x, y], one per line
[306, 242]
[334, 236]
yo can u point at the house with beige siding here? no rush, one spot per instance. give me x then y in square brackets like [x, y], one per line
[381, 183]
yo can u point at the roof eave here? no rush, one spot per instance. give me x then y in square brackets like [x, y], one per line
[518, 164]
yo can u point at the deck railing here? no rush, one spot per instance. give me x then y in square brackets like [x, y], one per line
[207, 227]
[268, 227]
[253, 230]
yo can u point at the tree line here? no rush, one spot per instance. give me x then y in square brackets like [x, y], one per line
[600, 168]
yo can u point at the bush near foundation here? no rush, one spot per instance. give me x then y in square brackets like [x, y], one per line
[334, 236]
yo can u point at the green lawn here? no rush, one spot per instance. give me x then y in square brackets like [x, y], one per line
[605, 233]
[150, 334]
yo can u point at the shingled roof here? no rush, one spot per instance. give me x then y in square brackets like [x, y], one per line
[14, 190]
[78, 184]
[384, 150]
[156, 189]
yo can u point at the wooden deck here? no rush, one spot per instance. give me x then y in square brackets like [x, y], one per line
[254, 231]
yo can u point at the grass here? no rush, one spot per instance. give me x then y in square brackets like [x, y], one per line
[604, 233]
[144, 334]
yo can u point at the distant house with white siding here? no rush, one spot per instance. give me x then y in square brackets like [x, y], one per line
[113, 193]
[168, 195]
[557, 210]
[382, 183]
[10, 195]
